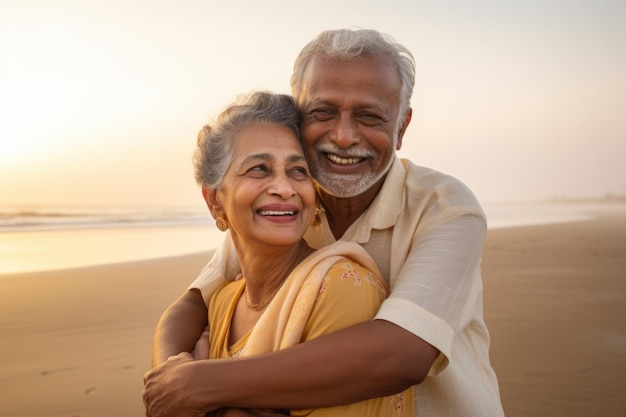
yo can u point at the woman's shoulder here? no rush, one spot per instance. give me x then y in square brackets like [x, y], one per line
[349, 293]
[229, 287]
[347, 273]
[224, 294]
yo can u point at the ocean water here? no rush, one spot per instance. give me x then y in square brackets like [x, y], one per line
[26, 219]
[501, 215]
[58, 238]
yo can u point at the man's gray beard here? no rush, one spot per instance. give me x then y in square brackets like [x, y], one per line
[347, 185]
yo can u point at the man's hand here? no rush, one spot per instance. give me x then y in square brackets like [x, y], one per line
[167, 390]
[179, 327]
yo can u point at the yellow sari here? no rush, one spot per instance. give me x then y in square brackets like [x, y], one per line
[335, 287]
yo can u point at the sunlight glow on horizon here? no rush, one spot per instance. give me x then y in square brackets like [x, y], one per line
[100, 103]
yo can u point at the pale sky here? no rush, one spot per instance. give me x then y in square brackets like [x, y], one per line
[100, 101]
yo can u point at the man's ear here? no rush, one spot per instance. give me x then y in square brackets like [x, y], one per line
[405, 124]
[212, 202]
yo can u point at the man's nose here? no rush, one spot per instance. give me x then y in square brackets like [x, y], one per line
[345, 131]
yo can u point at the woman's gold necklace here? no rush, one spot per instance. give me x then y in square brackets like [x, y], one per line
[261, 304]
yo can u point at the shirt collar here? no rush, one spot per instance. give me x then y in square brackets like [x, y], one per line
[386, 206]
[381, 214]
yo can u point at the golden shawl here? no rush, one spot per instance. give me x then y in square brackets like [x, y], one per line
[283, 322]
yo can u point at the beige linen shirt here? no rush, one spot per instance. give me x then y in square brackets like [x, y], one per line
[425, 231]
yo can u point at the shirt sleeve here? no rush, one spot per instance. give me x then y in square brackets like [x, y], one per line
[223, 265]
[436, 291]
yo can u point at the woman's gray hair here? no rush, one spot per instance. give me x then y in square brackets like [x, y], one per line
[214, 151]
[347, 44]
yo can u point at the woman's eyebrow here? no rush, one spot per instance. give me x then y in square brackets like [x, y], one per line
[296, 158]
[258, 157]
[269, 157]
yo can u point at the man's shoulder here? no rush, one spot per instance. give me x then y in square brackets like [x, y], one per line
[423, 181]
[432, 197]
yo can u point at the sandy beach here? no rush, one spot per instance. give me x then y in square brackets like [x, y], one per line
[76, 343]
[555, 302]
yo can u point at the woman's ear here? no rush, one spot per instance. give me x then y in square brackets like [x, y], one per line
[210, 197]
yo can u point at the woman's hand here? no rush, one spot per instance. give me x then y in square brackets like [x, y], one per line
[201, 349]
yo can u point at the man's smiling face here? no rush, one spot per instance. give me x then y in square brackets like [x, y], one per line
[350, 127]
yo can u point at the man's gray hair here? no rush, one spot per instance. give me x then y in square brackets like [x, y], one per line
[348, 44]
[214, 151]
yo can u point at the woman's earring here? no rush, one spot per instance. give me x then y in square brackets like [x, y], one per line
[221, 224]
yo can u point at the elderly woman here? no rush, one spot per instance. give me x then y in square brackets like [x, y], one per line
[256, 183]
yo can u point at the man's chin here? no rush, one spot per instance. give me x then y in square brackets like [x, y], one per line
[349, 185]
[339, 193]
[343, 188]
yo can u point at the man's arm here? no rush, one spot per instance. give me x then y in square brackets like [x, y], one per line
[184, 321]
[180, 327]
[371, 359]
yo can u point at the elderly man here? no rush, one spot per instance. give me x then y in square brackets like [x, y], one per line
[424, 229]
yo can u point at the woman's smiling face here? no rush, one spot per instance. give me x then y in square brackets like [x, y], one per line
[267, 195]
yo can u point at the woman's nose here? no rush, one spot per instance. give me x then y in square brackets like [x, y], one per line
[282, 187]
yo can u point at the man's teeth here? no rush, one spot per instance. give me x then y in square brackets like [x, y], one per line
[343, 161]
[276, 213]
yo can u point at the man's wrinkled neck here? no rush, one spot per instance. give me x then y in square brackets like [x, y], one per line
[341, 212]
